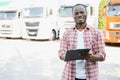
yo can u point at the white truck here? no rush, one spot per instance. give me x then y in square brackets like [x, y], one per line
[39, 22]
[10, 22]
[65, 18]
[65, 14]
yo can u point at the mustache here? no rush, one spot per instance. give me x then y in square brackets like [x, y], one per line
[81, 17]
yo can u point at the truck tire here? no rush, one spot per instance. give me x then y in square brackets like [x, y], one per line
[52, 36]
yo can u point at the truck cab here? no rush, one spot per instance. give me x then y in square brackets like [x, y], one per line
[66, 20]
[10, 22]
[112, 21]
[39, 23]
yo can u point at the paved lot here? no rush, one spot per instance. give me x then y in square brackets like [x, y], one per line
[38, 60]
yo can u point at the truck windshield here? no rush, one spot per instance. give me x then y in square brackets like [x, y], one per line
[113, 9]
[8, 14]
[33, 12]
[65, 12]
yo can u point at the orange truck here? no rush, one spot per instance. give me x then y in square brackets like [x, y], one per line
[112, 21]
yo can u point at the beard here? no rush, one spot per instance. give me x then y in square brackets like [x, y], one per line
[81, 22]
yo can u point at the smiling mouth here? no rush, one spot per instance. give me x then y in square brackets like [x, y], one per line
[81, 18]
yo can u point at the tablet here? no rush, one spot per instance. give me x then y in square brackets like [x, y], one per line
[75, 54]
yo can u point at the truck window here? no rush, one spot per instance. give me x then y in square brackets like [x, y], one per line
[33, 12]
[8, 14]
[1, 15]
[113, 9]
[65, 12]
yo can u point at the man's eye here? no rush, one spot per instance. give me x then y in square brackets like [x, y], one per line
[79, 13]
[82, 12]
[76, 13]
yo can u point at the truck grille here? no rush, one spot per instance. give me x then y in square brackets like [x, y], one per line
[32, 32]
[115, 35]
[6, 29]
[115, 25]
[32, 24]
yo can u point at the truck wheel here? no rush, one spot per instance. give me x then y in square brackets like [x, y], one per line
[52, 36]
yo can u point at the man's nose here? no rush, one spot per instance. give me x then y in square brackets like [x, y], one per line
[81, 16]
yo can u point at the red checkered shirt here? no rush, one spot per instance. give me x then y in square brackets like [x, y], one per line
[93, 39]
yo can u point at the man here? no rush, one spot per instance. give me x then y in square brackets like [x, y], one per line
[79, 37]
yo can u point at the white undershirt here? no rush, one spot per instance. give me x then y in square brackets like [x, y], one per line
[80, 64]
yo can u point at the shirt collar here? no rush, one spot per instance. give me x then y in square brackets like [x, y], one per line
[87, 27]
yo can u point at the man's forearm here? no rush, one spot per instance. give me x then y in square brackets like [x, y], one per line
[96, 57]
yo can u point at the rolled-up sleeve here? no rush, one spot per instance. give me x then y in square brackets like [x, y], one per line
[63, 47]
[101, 45]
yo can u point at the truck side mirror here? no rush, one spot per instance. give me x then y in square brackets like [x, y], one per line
[19, 15]
[103, 10]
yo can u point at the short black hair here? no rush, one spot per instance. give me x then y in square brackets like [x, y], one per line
[80, 5]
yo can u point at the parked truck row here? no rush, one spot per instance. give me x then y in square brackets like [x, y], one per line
[35, 21]
[30, 22]
[39, 21]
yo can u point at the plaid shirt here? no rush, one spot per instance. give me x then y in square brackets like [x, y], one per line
[93, 39]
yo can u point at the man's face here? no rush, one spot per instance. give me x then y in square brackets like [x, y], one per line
[79, 15]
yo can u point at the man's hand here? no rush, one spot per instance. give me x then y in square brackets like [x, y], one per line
[91, 57]
[86, 56]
